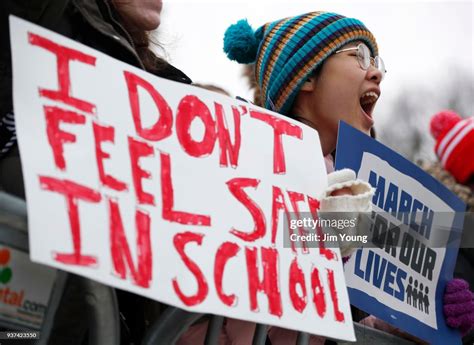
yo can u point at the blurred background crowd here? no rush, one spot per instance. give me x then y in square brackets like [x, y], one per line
[427, 47]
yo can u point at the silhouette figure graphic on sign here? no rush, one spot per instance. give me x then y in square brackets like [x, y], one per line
[414, 294]
[409, 290]
[421, 298]
[426, 301]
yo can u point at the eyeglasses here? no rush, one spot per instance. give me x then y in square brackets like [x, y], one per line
[364, 58]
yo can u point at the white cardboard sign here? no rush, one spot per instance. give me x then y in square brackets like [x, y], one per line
[169, 191]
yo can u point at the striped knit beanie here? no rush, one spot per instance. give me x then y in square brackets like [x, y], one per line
[286, 51]
[454, 143]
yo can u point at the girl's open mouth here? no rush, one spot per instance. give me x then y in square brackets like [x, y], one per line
[367, 103]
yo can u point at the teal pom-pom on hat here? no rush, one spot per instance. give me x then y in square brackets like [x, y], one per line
[240, 42]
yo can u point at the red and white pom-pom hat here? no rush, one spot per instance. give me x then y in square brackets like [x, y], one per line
[454, 143]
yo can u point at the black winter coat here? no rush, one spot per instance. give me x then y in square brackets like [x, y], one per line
[91, 22]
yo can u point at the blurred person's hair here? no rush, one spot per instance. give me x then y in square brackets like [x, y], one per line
[143, 45]
[373, 133]
[248, 72]
[436, 170]
[213, 87]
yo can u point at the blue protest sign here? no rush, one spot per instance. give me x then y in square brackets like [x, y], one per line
[402, 279]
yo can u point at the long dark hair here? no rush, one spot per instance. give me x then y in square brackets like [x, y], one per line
[143, 43]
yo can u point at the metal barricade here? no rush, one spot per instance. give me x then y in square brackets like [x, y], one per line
[100, 300]
[174, 322]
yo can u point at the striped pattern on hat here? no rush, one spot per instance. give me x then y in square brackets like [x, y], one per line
[454, 146]
[293, 47]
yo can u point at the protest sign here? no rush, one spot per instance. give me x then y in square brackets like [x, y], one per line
[169, 191]
[23, 304]
[415, 234]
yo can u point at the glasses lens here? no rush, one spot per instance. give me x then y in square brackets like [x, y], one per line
[380, 65]
[363, 54]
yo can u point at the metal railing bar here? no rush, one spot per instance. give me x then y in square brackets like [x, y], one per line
[104, 311]
[53, 304]
[214, 330]
[167, 329]
[303, 338]
[14, 238]
[260, 335]
[368, 335]
[13, 212]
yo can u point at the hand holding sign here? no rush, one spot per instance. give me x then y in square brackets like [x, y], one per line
[169, 191]
[345, 198]
[459, 305]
